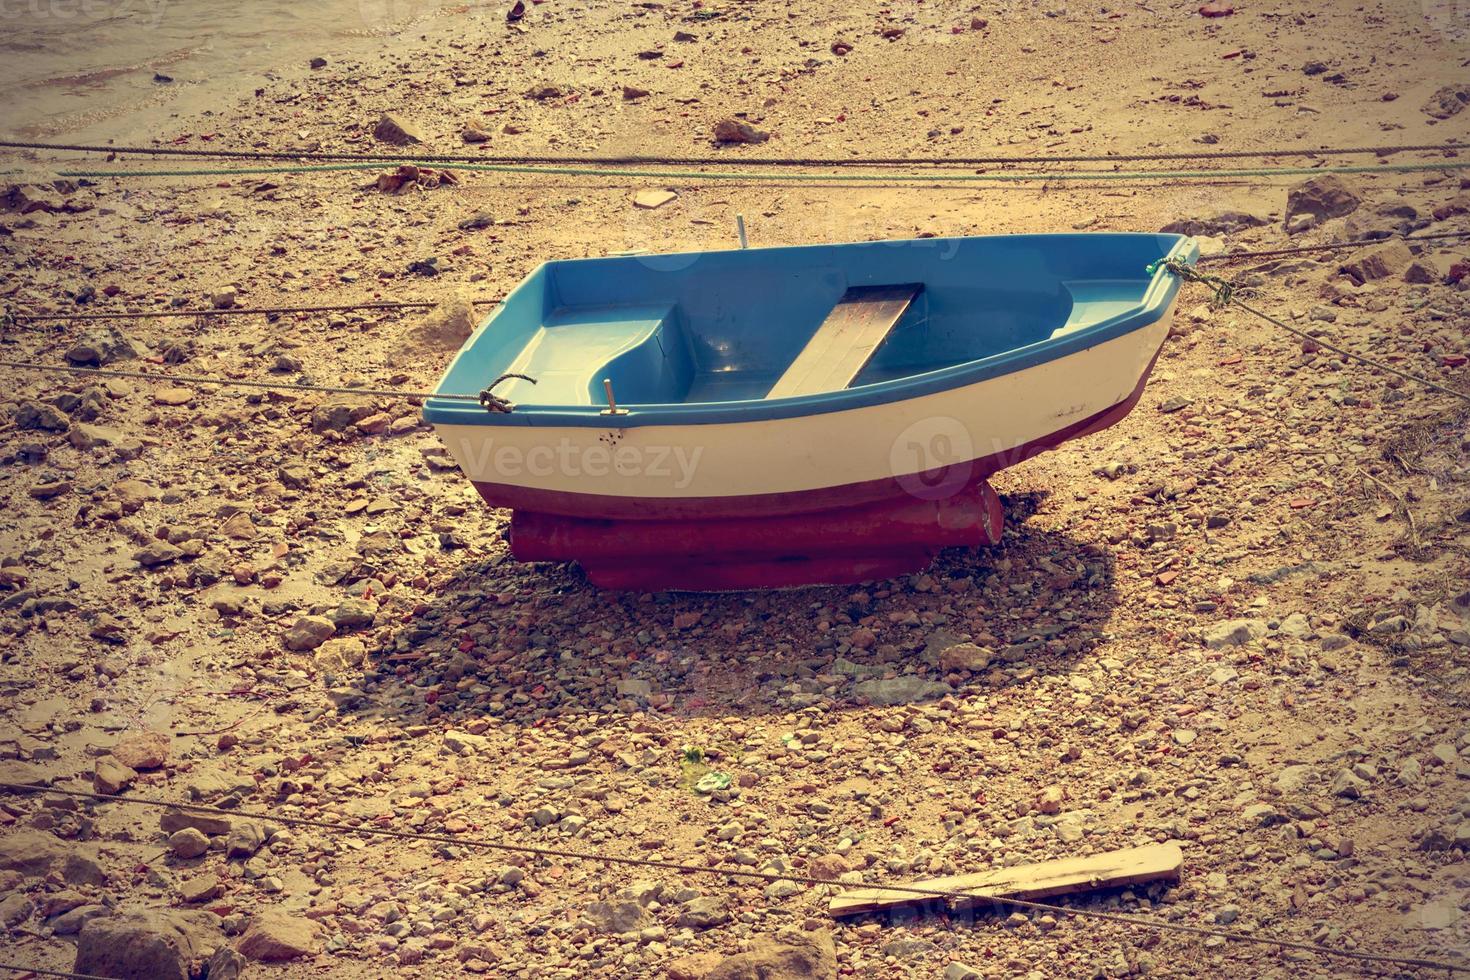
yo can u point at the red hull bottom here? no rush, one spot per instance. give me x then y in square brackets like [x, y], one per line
[834, 547]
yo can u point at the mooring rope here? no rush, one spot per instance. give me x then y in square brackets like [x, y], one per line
[1226, 294]
[234, 310]
[692, 175]
[1137, 922]
[684, 161]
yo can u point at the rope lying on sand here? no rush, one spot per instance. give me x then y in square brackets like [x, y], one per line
[752, 177]
[1132, 921]
[221, 154]
[234, 311]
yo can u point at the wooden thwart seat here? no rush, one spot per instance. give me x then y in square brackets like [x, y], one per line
[846, 340]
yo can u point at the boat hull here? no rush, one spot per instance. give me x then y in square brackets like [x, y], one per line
[833, 498]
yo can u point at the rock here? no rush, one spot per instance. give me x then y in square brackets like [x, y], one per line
[225, 964]
[339, 655]
[1448, 101]
[1221, 223]
[104, 345]
[791, 955]
[72, 921]
[156, 553]
[173, 395]
[1422, 272]
[631, 92]
[703, 912]
[398, 132]
[39, 415]
[828, 867]
[900, 690]
[695, 966]
[275, 935]
[174, 820]
[238, 527]
[463, 743]
[733, 130]
[245, 839]
[188, 843]
[653, 199]
[156, 945]
[1380, 263]
[83, 436]
[353, 614]
[50, 490]
[308, 633]
[224, 299]
[965, 656]
[473, 134]
[1314, 201]
[147, 750]
[1348, 785]
[447, 325]
[961, 971]
[112, 777]
[201, 889]
[15, 908]
[540, 93]
[1234, 633]
[617, 916]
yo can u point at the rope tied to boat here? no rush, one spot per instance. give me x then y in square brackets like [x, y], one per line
[1225, 295]
[492, 402]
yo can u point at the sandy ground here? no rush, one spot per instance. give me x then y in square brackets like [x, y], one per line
[1240, 624]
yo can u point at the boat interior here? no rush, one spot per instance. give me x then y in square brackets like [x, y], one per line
[754, 324]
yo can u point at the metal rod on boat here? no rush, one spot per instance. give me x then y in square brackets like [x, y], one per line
[612, 404]
[740, 230]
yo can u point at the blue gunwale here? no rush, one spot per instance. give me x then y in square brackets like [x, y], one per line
[1154, 302]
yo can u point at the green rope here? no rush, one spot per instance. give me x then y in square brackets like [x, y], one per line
[1224, 295]
[768, 177]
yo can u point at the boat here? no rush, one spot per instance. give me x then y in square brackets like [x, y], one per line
[777, 417]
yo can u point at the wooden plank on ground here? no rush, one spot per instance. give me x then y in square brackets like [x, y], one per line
[1113, 869]
[846, 340]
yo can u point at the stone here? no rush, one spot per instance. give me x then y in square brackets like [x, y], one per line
[353, 614]
[156, 945]
[15, 908]
[900, 690]
[447, 325]
[84, 436]
[274, 936]
[790, 955]
[463, 743]
[39, 415]
[224, 299]
[965, 656]
[632, 92]
[112, 777]
[653, 199]
[1234, 633]
[245, 838]
[620, 916]
[200, 889]
[308, 633]
[1348, 785]
[1380, 263]
[1220, 223]
[174, 820]
[396, 131]
[703, 912]
[339, 655]
[156, 553]
[733, 130]
[695, 966]
[173, 395]
[238, 527]
[1319, 199]
[147, 750]
[188, 843]
[474, 134]
[961, 971]
[104, 345]
[1448, 101]
[828, 867]
[72, 921]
